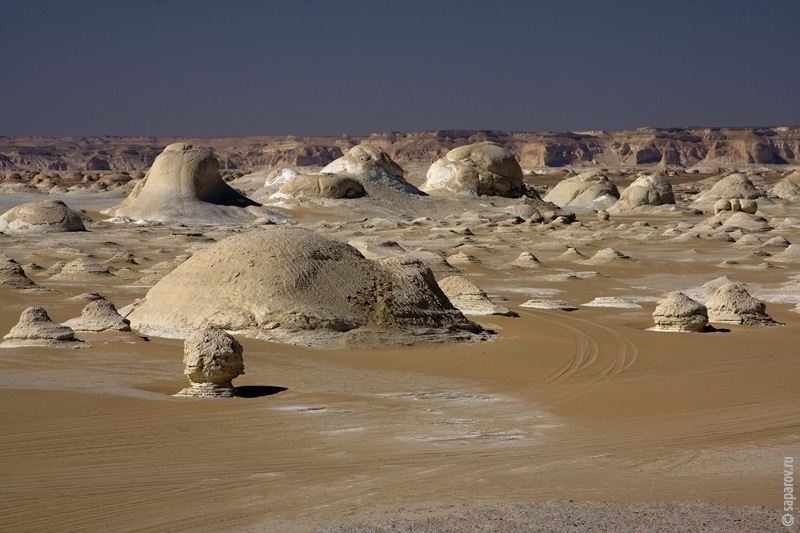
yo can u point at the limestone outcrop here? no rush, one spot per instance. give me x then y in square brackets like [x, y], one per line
[477, 169]
[40, 217]
[295, 285]
[469, 298]
[99, 315]
[184, 185]
[322, 186]
[678, 312]
[732, 304]
[372, 168]
[12, 273]
[647, 190]
[588, 190]
[213, 359]
[36, 328]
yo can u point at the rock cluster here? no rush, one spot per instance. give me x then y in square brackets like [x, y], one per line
[372, 168]
[213, 359]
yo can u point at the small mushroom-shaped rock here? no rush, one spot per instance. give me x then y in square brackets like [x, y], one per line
[678, 312]
[35, 328]
[213, 358]
[732, 304]
[469, 298]
[99, 315]
[12, 274]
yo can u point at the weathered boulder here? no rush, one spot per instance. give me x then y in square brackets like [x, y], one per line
[469, 298]
[12, 274]
[295, 285]
[40, 217]
[323, 186]
[35, 328]
[788, 188]
[99, 315]
[213, 359]
[589, 190]
[648, 190]
[732, 186]
[184, 185]
[477, 169]
[732, 304]
[678, 312]
[372, 168]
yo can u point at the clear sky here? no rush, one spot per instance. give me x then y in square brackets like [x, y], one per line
[327, 67]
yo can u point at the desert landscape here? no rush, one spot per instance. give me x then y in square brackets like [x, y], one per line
[447, 331]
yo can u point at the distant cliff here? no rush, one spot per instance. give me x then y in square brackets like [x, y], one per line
[685, 147]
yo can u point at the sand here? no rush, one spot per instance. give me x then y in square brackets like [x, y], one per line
[581, 421]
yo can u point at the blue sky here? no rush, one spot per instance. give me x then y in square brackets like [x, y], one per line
[315, 67]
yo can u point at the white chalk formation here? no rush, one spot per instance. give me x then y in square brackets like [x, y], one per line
[678, 312]
[36, 328]
[213, 359]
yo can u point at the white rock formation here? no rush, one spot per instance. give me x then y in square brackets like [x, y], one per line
[213, 359]
[35, 328]
[527, 260]
[477, 169]
[647, 190]
[788, 188]
[678, 312]
[12, 274]
[732, 304]
[293, 284]
[589, 190]
[81, 270]
[40, 217]
[184, 185]
[322, 186]
[541, 303]
[99, 315]
[469, 298]
[372, 168]
[732, 186]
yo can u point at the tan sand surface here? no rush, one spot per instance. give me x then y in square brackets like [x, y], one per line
[587, 406]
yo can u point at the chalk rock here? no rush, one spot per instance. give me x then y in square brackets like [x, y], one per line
[12, 274]
[645, 190]
[745, 221]
[483, 168]
[294, 285]
[589, 190]
[527, 260]
[733, 186]
[81, 270]
[323, 186]
[678, 312]
[40, 217]
[606, 256]
[372, 168]
[790, 255]
[213, 359]
[732, 304]
[788, 188]
[99, 315]
[184, 185]
[35, 328]
[469, 298]
[541, 303]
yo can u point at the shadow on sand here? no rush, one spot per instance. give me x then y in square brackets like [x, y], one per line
[258, 391]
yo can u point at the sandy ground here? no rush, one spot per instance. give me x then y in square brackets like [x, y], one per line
[582, 421]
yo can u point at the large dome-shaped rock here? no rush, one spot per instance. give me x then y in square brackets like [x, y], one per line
[213, 359]
[732, 304]
[40, 217]
[678, 312]
[373, 168]
[588, 190]
[733, 186]
[483, 168]
[648, 190]
[295, 285]
[184, 185]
